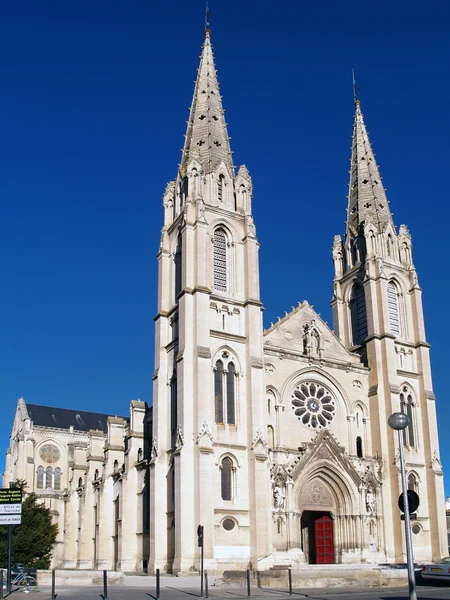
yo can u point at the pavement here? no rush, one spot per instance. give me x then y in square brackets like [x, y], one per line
[178, 588]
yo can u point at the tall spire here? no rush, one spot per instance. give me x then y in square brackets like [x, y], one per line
[206, 134]
[367, 199]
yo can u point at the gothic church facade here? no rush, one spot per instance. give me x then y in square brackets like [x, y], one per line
[276, 440]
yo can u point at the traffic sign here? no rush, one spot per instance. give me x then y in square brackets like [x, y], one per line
[10, 519]
[10, 506]
[10, 509]
[413, 502]
[10, 496]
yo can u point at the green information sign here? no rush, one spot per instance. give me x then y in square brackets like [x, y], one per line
[10, 496]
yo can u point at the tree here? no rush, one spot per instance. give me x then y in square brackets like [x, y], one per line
[32, 540]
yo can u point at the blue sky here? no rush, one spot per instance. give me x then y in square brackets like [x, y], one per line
[93, 103]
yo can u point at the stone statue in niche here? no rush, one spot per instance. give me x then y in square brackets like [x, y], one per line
[278, 497]
[370, 500]
[311, 339]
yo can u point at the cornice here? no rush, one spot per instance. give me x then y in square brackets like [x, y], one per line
[228, 336]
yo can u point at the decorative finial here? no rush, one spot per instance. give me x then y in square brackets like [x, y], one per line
[355, 88]
[207, 15]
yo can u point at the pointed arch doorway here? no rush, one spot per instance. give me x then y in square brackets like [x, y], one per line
[317, 533]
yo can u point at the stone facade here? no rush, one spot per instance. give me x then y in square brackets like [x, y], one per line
[275, 441]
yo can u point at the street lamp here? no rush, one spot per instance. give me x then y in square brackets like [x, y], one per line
[399, 421]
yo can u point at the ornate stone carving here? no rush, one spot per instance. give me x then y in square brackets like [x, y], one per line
[179, 440]
[204, 439]
[357, 385]
[316, 494]
[269, 368]
[154, 452]
[259, 446]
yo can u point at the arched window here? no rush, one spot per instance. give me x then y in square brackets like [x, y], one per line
[359, 449]
[353, 252]
[95, 474]
[178, 260]
[220, 188]
[270, 436]
[231, 416]
[394, 321]
[80, 482]
[280, 526]
[173, 405]
[358, 315]
[40, 477]
[116, 465]
[226, 478]
[57, 483]
[389, 245]
[412, 482]
[48, 477]
[218, 391]
[407, 407]
[220, 260]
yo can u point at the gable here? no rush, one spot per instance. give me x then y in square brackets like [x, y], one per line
[304, 332]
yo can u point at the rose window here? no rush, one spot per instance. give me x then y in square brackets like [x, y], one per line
[50, 453]
[313, 404]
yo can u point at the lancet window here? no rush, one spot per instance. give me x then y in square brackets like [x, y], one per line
[220, 260]
[47, 478]
[227, 470]
[407, 407]
[394, 320]
[225, 387]
[358, 315]
[178, 260]
[221, 188]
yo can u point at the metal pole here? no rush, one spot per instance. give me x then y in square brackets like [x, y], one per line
[290, 580]
[105, 585]
[53, 584]
[248, 583]
[206, 585]
[201, 570]
[1, 580]
[409, 548]
[158, 591]
[8, 574]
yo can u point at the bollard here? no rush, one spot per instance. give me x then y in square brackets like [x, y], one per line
[1, 586]
[105, 585]
[290, 580]
[206, 585]
[248, 583]
[53, 584]
[158, 591]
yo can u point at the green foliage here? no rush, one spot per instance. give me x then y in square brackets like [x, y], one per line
[32, 540]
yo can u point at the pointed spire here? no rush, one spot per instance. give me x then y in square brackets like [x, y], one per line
[367, 199]
[207, 129]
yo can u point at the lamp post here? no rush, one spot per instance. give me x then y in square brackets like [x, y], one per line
[399, 421]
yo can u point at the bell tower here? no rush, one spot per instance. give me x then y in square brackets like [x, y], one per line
[209, 460]
[377, 312]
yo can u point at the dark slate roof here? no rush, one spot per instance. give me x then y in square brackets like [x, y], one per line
[63, 418]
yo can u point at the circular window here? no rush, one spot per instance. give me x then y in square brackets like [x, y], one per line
[228, 524]
[416, 528]
[313, 404]
[50, 453]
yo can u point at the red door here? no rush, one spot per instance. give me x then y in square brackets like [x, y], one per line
[323, 533]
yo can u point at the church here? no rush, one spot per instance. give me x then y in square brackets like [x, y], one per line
[275, 440]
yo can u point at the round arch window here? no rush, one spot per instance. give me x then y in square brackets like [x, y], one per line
[313, 404]
[416, 528]
[228, 524]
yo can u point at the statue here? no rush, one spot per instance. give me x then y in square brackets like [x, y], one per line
[370, 501]
[278, 497]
